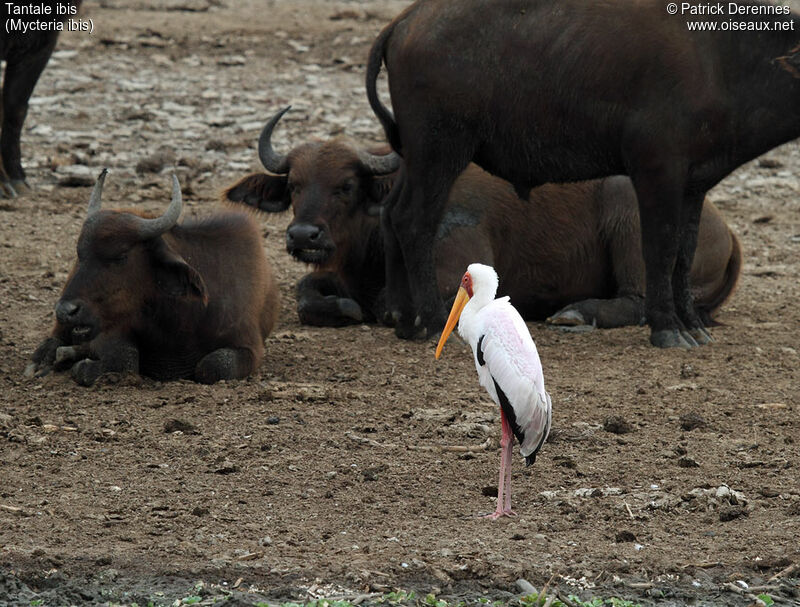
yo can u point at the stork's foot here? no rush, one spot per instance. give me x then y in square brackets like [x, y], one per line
[498, 513]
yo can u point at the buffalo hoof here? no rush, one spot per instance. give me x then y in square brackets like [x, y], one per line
[434, 329]
[575, 328]
[671, 338]
[701, 336]
[85, 372]
[567, 318]
[405, 324]
[404, 329]
[218, 365]
[43, 358]
[14, 188]
[21, 187]
[65, 356]
[7, 190]
[350, 308]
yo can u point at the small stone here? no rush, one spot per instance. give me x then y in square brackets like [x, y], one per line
[624, 536]
[691, 421]
[76, 176]
[178, 425]
[227, 467]
[273, 420]
[770, 163]
[155, 163]
[688, 371]
[565, 461]
[729, 513]
[688, 462]
[616, 425]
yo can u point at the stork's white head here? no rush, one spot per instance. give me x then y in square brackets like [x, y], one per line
[478, 288]
[483, 280]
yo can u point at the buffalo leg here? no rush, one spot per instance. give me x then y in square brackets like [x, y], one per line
[43, 359]
[225, 363]
[603, 313]
[659, 189]
[681, 288]
[415, 220]
[20, 79]
[323, 301]
[399, 309]
[112, 355]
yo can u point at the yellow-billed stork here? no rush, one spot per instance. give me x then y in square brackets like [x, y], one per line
[508, 367]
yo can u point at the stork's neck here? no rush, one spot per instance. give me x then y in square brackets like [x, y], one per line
[468, 327]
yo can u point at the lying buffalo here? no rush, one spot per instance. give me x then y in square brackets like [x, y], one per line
[574, 245]
[568, 90]
[26, 43]
[193, 300]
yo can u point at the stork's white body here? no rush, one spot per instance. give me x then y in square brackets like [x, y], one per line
[508, 367]
[510, 362]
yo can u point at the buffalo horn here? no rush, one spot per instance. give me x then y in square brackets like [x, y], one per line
[95, 200]
[379, 165]
[272, 160]
[150, 228]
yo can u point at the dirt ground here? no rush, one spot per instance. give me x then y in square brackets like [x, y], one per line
[328, 472]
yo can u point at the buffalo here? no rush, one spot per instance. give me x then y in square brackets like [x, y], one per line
[168, 300]
[567, 90]
[26, 51]
[574, 245]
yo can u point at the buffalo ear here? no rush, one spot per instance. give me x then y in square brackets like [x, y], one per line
[791, 62]
[377, 189]
[268, 193]
[174, 277]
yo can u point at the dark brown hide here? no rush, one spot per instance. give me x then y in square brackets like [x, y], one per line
[26, 54]
[196, 302]
[567, 90]
[566, 244]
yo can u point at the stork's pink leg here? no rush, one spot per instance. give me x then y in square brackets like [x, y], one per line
[509, 455]
[504, 482]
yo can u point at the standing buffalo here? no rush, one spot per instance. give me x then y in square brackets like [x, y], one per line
[148, 295]
[26, 54]
[576, 244]
[565, 90]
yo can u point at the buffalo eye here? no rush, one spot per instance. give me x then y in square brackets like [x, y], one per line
[344, 188]
[119, 260]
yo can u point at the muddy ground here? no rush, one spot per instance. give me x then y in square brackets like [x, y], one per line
[328, 472]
